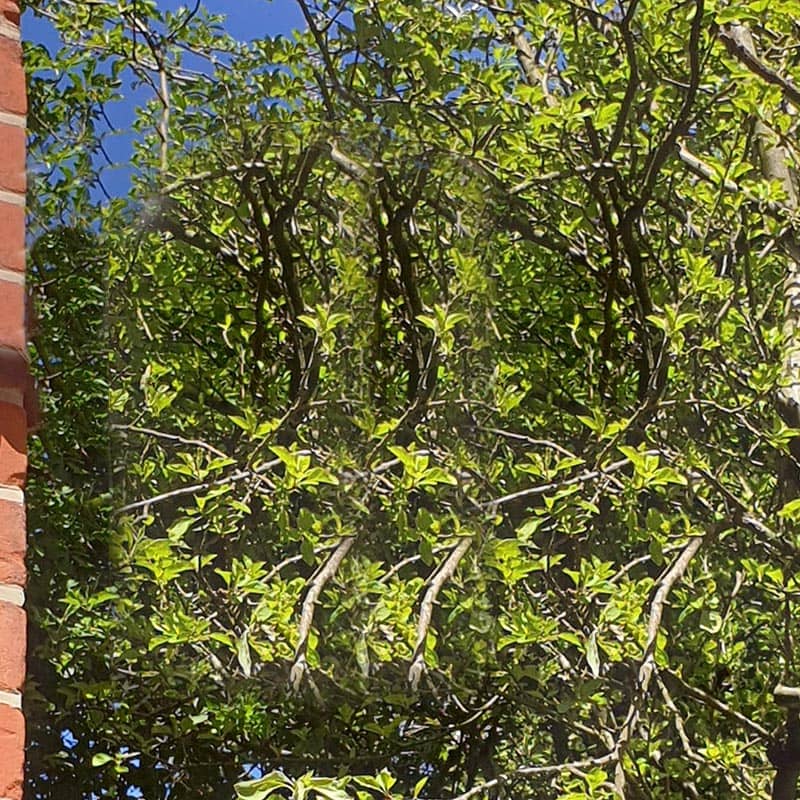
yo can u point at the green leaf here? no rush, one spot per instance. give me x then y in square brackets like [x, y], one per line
[791, 510]
[262, 787]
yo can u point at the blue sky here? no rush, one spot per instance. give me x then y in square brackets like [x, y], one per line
[252, 18]
[245, 20]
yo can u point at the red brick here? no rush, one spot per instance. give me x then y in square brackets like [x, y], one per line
[15, 374]
[12, 87]
[12, 235]
[14, 369]
[12, 744]
[14, 378]
[13, 444]
[10, 10]
[12, 542]
[12, 653]
[12, 314]
[12, 163]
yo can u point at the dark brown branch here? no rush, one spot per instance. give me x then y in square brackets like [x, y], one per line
[749, 59]
[630, 90]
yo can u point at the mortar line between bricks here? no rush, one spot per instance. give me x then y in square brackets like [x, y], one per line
[9, 30]
[12, 277]
[11, 494]
[14, 121]
[12, 396]
[13, 699]
[12, 594]
[6, 349]
[12, 198]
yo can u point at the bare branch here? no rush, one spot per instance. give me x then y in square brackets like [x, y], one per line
[648, 666]
[703, 170]
[746, 56]
[437, 581]
[535, 75]
[200, 487]
[544, 488]
[716, 704]
[519, 437]
[171, 437]
[318, 582]
[163, 127]
[523, 772]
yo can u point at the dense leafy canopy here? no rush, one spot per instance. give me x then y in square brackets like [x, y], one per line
[450, 402]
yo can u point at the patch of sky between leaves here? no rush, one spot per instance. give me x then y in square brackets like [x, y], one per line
[245, 20]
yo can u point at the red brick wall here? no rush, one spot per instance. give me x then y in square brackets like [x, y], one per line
[17, 407]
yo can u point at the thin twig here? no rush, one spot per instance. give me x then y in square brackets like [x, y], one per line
[199, 487]
[403, 563]
[543, 488]
[523, 772]
[172, 437]
[716, 704]
[520, 437]
[648, 665]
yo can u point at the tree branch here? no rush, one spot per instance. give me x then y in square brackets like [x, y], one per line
[440, 577]
[523, 772]
[543, 488]
[648, 666]
[747, 56]
[300, 666]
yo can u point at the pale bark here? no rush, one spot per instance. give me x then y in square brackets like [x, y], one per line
[774, 158]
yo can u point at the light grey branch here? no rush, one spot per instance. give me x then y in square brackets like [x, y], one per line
[437, 581]
[523, 772]
[544, 488]
[318, 582]
[648, 666]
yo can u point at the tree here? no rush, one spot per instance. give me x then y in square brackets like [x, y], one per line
[453, 404]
